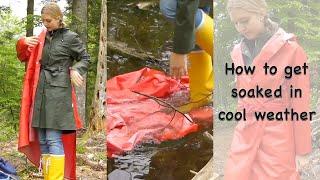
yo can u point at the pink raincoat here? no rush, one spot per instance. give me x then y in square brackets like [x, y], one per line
[266, 150]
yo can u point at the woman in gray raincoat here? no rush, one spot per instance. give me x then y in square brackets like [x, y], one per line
[52, 108]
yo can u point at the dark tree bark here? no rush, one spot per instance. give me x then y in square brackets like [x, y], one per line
[29, 27]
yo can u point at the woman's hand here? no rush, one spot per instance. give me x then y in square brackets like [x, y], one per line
[32, 41]
[178, 65]
[76, 78]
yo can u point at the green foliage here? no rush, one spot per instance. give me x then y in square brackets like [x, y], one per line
[12, 70]
[225, 38]
[7, 131]
[36, 19]
[94, 15]
[9, 25]
[302, 18]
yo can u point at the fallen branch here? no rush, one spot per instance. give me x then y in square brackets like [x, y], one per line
[130, 52]
[165, 103]
[146, 5]
[141, 48]
[93, 164]
[193, 172]
[208, 136]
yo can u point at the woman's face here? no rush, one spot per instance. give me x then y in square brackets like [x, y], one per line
[248, 24]
[49, 22]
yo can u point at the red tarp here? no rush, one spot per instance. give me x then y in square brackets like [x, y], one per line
[134, 118]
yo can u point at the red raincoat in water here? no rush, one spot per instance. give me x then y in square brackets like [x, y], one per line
[28, 139]
[266, 150]
[133, 119]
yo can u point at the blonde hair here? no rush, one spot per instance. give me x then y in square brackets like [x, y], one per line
[254, 6]
[53, 10]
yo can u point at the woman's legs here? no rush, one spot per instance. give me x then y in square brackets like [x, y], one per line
[50, 141]
[54, 141]
[42, 141]
[52, 151]
[200, 67]
[169, 8]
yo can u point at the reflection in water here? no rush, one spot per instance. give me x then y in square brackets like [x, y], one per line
[140, 29]
[136, 162]
[171, 160]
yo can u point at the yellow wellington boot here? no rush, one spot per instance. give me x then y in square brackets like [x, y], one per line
[44, 162]
[56, 167]
[201, 80]
[204, 34]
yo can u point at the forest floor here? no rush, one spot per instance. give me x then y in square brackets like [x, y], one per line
[91, 161]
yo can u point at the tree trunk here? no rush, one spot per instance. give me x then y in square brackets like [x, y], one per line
[99, 101]
[80, 18]
[80, 26]
[29, 26]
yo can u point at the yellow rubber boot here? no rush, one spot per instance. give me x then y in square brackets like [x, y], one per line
[56, 167]
[200, 72]
[44, 166]
[204, 34]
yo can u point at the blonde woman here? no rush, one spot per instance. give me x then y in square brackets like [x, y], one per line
[48, 103]
[267, 150]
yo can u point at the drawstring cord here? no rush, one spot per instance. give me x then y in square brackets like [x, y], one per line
[40, 166]
[47, 164]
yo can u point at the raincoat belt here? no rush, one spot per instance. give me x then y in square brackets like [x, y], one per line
[54, 71]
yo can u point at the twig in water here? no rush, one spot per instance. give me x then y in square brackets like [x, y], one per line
[165, 104]
[193, 172]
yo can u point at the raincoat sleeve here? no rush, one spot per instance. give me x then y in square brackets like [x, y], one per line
[184, 32]
[23, 51]
[79, 54]
[302, 129]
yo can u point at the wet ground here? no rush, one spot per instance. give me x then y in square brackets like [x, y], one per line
[148, 32]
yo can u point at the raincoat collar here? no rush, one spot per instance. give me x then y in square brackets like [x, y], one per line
[53, 32]
[251, 48]
[271, 47]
